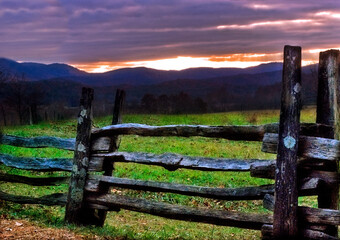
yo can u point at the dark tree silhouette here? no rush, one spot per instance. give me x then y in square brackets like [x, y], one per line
[16, 95]
[149, 102]
[173, 104]
[3, 80]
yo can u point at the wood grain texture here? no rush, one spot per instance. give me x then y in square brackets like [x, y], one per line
[37, 164]
[326, 177]
[286, 187]
[314, 234]
[38, 142]
[99, 144]
[250, 133]
[310, 215]
[328, 113]
[309, 147]
[244, 193]
[304, 233]
[319, 215]
[75, 213]
[246, 132]
[263, 171]
[218, 217]
[103, 144]
[328, 77]
[172, 161]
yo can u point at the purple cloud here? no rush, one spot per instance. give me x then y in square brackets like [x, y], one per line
[82, 31]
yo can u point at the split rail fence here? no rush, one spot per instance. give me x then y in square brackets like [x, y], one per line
[306, 164]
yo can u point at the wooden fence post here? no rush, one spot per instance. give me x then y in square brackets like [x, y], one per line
[75, 212]
[286, 192]
[328, 113]
[114, 145]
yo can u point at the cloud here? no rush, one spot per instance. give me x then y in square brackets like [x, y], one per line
[85, 31]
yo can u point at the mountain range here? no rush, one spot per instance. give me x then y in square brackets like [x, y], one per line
[222, 89]
[128, 76]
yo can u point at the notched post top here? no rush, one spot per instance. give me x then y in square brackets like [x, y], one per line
[328, 113]
[328, 77]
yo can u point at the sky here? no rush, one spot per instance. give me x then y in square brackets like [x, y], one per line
[102, 35]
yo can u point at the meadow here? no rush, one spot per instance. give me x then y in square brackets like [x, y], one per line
[132, 225]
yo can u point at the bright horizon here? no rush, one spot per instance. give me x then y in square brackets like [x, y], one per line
[185, 62]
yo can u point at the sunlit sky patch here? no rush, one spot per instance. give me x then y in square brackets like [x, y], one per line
[99, 36]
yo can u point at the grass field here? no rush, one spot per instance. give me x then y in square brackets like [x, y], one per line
[131, 225]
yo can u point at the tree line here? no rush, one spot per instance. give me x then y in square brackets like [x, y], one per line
[19, 97]
[173, 104]
[28, 102]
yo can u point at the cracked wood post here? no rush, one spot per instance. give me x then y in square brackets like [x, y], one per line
[286, 190]
[115, 141]
[75, 213]
[328, 113]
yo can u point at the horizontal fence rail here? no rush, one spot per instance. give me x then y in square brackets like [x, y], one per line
[311, 215]
[268, 172]
[244, 193]
[37, 164]
[309, 147]
[218, 217]
[41, 164]
[172, 161]
[100, 144]
[33, 181]
[304, 233]
[307, 186]
[38, 142]
[246, 132]
[49, 200]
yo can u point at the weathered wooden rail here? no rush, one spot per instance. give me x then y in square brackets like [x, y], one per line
[306, 165]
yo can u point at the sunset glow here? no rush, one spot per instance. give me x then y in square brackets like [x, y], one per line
[178, 63]
[181, 62]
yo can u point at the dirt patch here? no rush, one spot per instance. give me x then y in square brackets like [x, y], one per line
[24, 230]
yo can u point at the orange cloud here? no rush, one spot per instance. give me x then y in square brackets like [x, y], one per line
[246, 57]
[100, 67]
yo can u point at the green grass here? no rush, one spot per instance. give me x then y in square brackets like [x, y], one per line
[131, 225]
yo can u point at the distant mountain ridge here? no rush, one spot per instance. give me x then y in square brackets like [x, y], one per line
[38, 71]
[126, 76]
